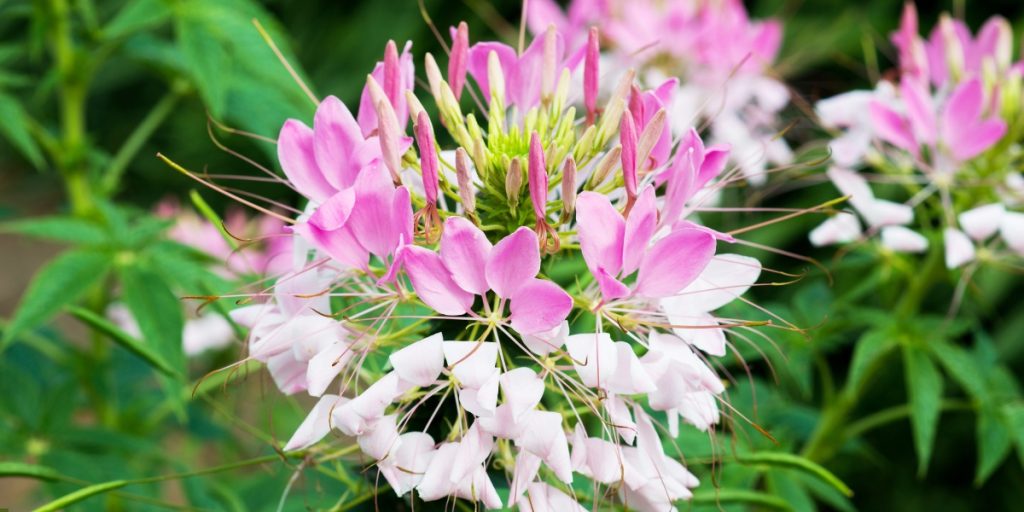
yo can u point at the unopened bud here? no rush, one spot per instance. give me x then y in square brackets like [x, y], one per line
[568, 188]
[628, 139]
[1003, 51]
[590, 74]
[586, 143]
[392, 73]
[548, 64]
[462, 173]
[458, 59]
[538, 177]
[649, 137]
[434, 77]
[495, 78]
[428, 157]
[513, 182]
[953, 47]
[604, 167]
[415, 107]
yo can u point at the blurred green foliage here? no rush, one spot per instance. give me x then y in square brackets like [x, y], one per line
[90, 91]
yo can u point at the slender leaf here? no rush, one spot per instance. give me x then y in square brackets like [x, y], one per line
[122, 338]
[157, 312]
[924, 386]
[21, 469]
[137, 15]
[60, 228]
[60, 282]
[961, 366]
[788, 460]
[870, 347]
[994, 444]
[82, 494]
[15, 128]
[1014, 414]
[207, 60]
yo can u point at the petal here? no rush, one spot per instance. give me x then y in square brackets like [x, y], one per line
[700, 330]
[522, 388]
[594, 357]
[920, 110]
[421, 362]
[477, 64]
[472, 362]
[979, 138]
[336, 138]
[295, 152]
[481, 401]
[404, 469]
[464, 251]
[526, 468]
[852, 184]
[474, 448]
[715, 158]
[333, 213]
[726, 277]
[839, 229]
[619, 415]
[1012, 231]
[962, 110]
[433, 283]
[401, 218]
[316, 425]
[886, 213]
[629, 377]
[381, 439]
[901, 239]
[340, 244]
[326, 365]
[601, 231]
[436, 483]
[611, 288]
[983, 221]
[543, 436]
[512, 262]
[892, 127]
[674, 262]
[959, 248]
[538, 306]
[640, 227]
[546, 342]
[371, 218]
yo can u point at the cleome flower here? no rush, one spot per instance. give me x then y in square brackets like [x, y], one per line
[944, 132]
[429, 307]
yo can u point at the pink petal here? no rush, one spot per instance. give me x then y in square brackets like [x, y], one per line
[333, 213]
[715, 158]
[371, 219]
[611, 288]
[420, 363]
[920, 110]
[978, 139]
[546, 342]
[601, 232]
[433, 283]
[590, 73]
[478, 55]
[892, 127]
[640, 227]
[674, 262]
[401, 218]
[296, 154]
[726, 277]
[538, 306]
[464, 251]
[962, 110]
[316, 425]
[337, 141]
[512, 262]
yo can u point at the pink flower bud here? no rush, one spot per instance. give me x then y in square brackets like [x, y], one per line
[388, 133]
[568, 187]
[549, 64]
[591, 74]
[513, 182]
[465, 181]
[458, 59]
[428, 156]
[392, 73]
[538, 177]
[628, 139]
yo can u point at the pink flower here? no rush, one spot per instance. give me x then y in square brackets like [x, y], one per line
[468, 265]
[614, 248]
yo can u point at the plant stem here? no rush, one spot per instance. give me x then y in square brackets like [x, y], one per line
[139, 136]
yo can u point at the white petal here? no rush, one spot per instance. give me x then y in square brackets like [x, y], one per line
[901, 239]
[726, 277]
[1012, 231]
[472, 362]
[420, 363]
[839, 229]
[982, 222]
[316, 425]
[959, 248]
[594, 357]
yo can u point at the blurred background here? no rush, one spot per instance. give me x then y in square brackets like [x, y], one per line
[157, 69]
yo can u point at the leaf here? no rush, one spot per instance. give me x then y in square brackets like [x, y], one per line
[158, 314]
[137, 15]
[870, 347]
[789, 489]
[124, 339]
[208, 62]
[60, 282]
[962, 367]
[1014, 414]
[60, 228]
[924, 388]
[15, 129]
[994, 444]
[10, 469]
[791, 461]
[720, 497]
[82, 494]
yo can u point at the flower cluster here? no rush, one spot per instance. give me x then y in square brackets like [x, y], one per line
[947, 133]
[712, 63]
[539, 286]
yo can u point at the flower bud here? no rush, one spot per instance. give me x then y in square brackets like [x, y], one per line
[604, 167]
[649, 137]
[433, 75]
[513, 182]
[465, 181]
[388, 133]
[495, 78]
[538, 177]
[628, 139]
[953, 47]
[568, 188]
[428, 156]
[548, 64]
[590, 74]
[392, 73]
[458, 59]
[585, 144]
[415, 107]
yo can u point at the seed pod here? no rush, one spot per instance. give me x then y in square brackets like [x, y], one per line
[513, 182]
[568, 188]
[604, 167]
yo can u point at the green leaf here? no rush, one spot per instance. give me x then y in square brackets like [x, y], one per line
[994, 444]
[60, 282]
[60, 228]
[1014, 414]
[10, 469]
[124, 339]
[924, 387]
[962, 367]
[158, 313]
[137, 15]
[783, 485]
[870, 347]
[722, 497]
[15, 129]
[787, 460]
[81, 494]
[208, 62]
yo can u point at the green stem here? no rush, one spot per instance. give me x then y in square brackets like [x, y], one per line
[161, 110]
[895, 413]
